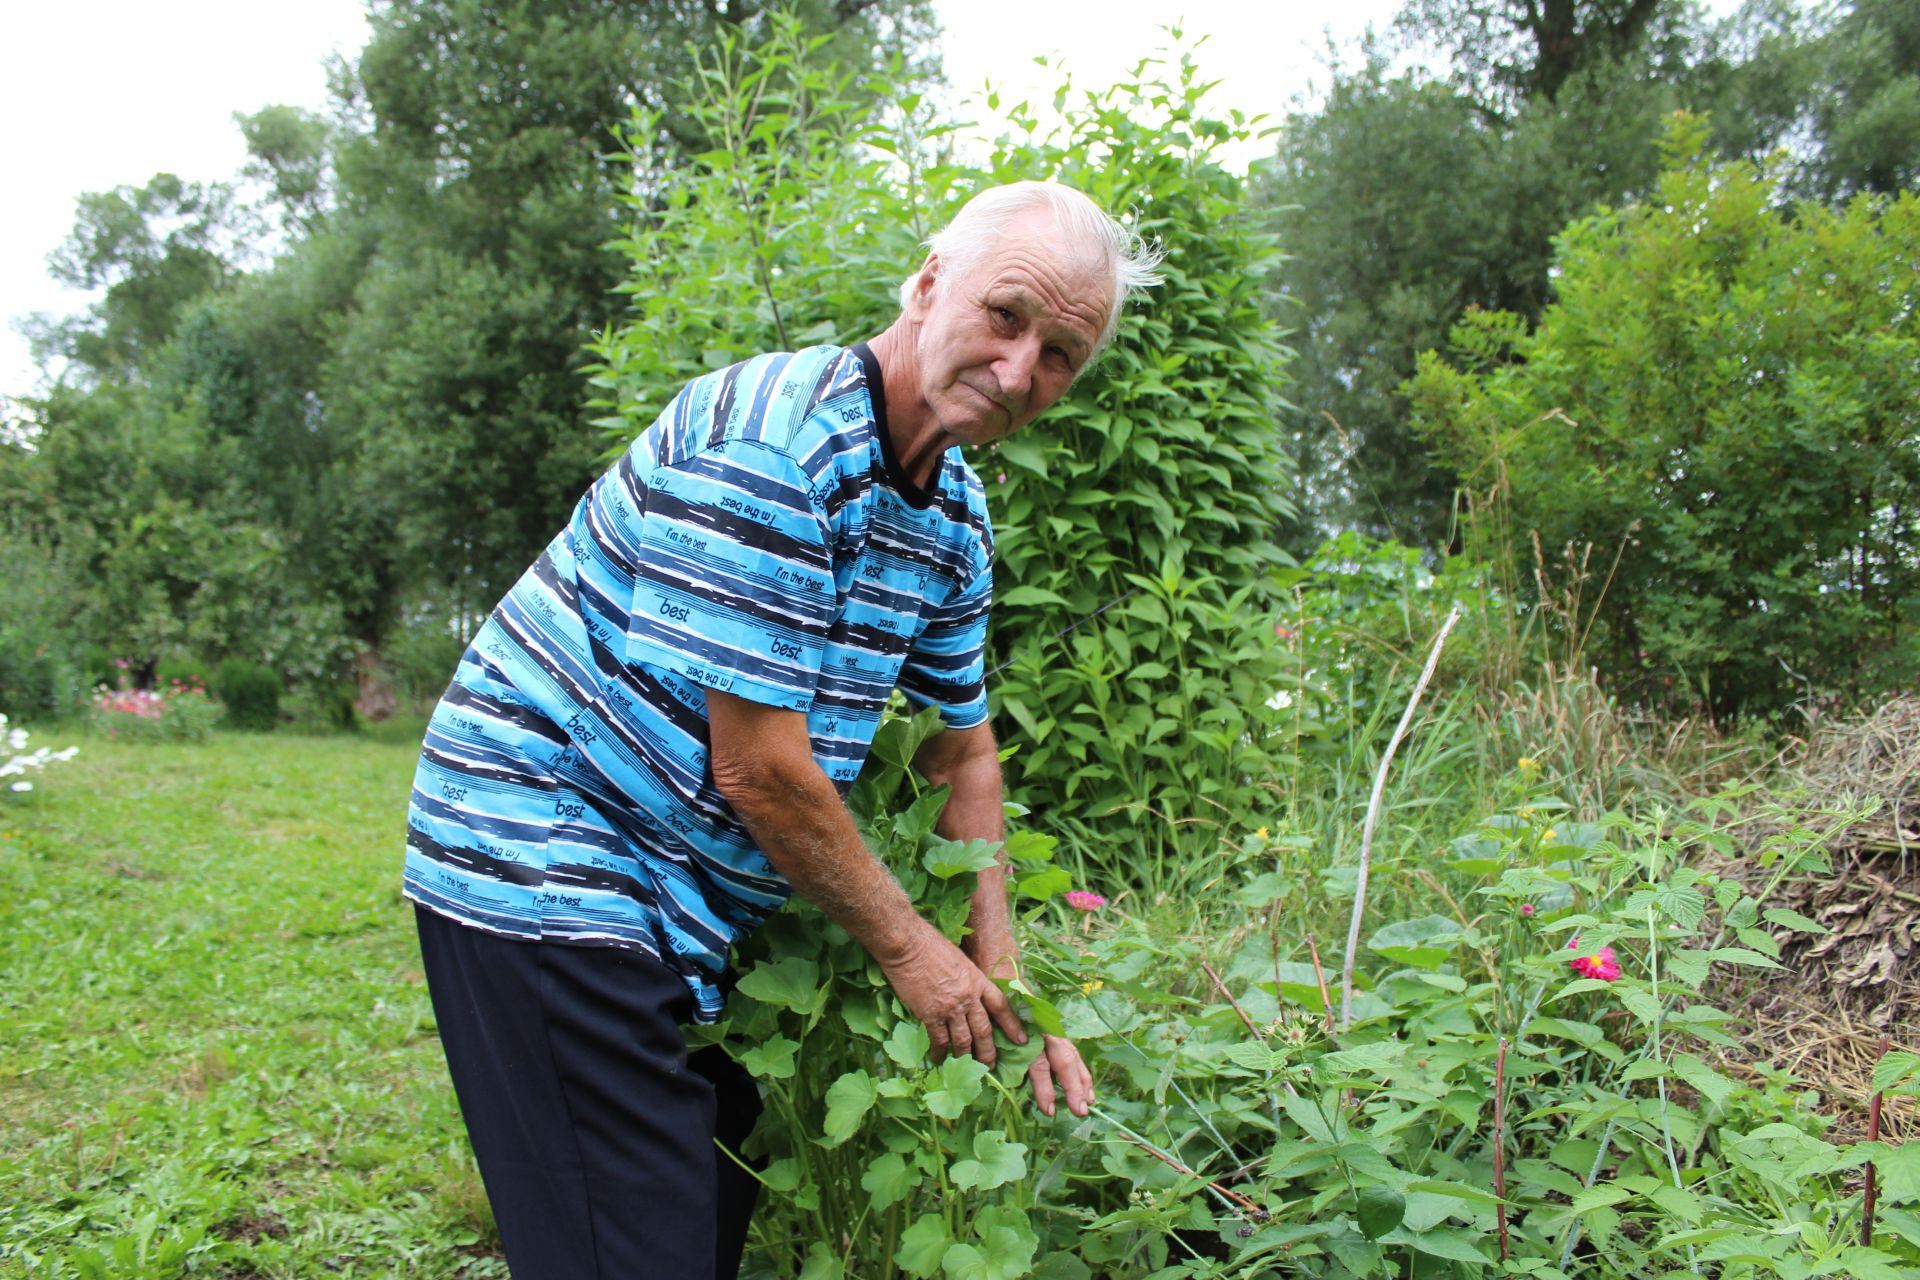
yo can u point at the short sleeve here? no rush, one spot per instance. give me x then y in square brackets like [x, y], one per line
[947, 665]
[733, 586]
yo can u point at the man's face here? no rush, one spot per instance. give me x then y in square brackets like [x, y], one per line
[1002, 343]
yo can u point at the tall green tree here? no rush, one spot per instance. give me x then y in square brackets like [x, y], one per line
[392, 409]
[1404, 203]
[491, 185]
[153, 250]
[1836, 86]
[1721, 403]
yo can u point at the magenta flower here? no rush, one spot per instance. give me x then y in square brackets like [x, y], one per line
[1601, 964]
[1526, 909]
[1081, 900]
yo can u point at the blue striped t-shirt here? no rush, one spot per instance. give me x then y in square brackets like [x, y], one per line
[759, 538]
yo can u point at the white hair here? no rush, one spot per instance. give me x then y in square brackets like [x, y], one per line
[975, 231]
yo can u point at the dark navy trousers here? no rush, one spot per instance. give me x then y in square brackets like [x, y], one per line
[593, 1127]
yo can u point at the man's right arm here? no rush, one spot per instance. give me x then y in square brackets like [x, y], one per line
[763, 764]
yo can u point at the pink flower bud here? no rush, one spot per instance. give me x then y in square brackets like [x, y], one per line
[1081, 900]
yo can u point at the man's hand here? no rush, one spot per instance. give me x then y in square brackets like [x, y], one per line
[952, 998]
[1059, 1063]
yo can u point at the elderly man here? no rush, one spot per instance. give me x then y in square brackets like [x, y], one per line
[647, 746]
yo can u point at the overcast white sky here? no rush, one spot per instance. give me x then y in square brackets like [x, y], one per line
[98, 93]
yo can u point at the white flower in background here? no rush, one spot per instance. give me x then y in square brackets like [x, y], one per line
[13, 762]
[1280, 701]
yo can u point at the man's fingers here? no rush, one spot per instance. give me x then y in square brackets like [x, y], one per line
[1071, 1070]
[959, 1036]
[937, 1036]
[982, 1031]
[1042, 1077]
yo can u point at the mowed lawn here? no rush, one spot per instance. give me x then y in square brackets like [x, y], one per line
[216, 1053]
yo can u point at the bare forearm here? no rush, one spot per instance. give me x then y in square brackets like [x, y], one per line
[810, 838]
[974, 812]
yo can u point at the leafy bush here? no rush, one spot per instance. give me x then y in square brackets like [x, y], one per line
[251, 693]
[1528, 1083]
[1152, 488]
[938, 1154]
[180, 671]
[421, 654]
[1723, 397]
[43, 671]
[181, 713]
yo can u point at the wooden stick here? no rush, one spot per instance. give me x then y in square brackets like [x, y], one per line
[1373, 816]
[1228, 1192]
[1326, 1000]
[1500, 1143]
[1873, 1135]
[1235, 1003]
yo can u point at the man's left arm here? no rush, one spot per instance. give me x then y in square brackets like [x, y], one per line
[968, 761]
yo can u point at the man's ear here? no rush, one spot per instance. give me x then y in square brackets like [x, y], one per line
[924, 286]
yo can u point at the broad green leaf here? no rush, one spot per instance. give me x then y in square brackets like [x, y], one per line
[1371, 1060]
[1455, 1246]
[1044, 884]
[1600, 1196]
[908, 1044]
[1007, 1241]
[1062, 1266]
[1302, 1111]
[771, 1059]
[916, 821]
[995, 1162]
[965, 1262]
[1046, 1015]
[1422, 944]
[1707, 1082]
[953, 1087]
[1381, 1209]
[792, 982]
[922, 1245]
[1787, 919]
[1458, 1190]
[1895, 1069]
[848, 1099]
[1030, 595]
[1254, 1056]
[822, 1264]
[887, 1180]
[949, 858]
[1899, 1174]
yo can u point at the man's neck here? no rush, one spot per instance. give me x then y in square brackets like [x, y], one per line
[918, 441]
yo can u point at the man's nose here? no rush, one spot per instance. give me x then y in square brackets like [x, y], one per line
[1015, 373]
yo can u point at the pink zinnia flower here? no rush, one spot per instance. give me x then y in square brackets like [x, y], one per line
[1081, 900]
[1601, 964]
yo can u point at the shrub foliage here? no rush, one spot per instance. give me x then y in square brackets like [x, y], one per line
[1152, 488]
[1724, 394]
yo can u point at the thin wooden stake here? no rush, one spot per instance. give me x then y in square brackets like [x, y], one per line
[1873, 1135]
[1326, 1000]
[1500, 1143]
[1235, 1003]
[1373, 816]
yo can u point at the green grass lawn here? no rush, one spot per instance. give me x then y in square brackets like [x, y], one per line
[217, 1056]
